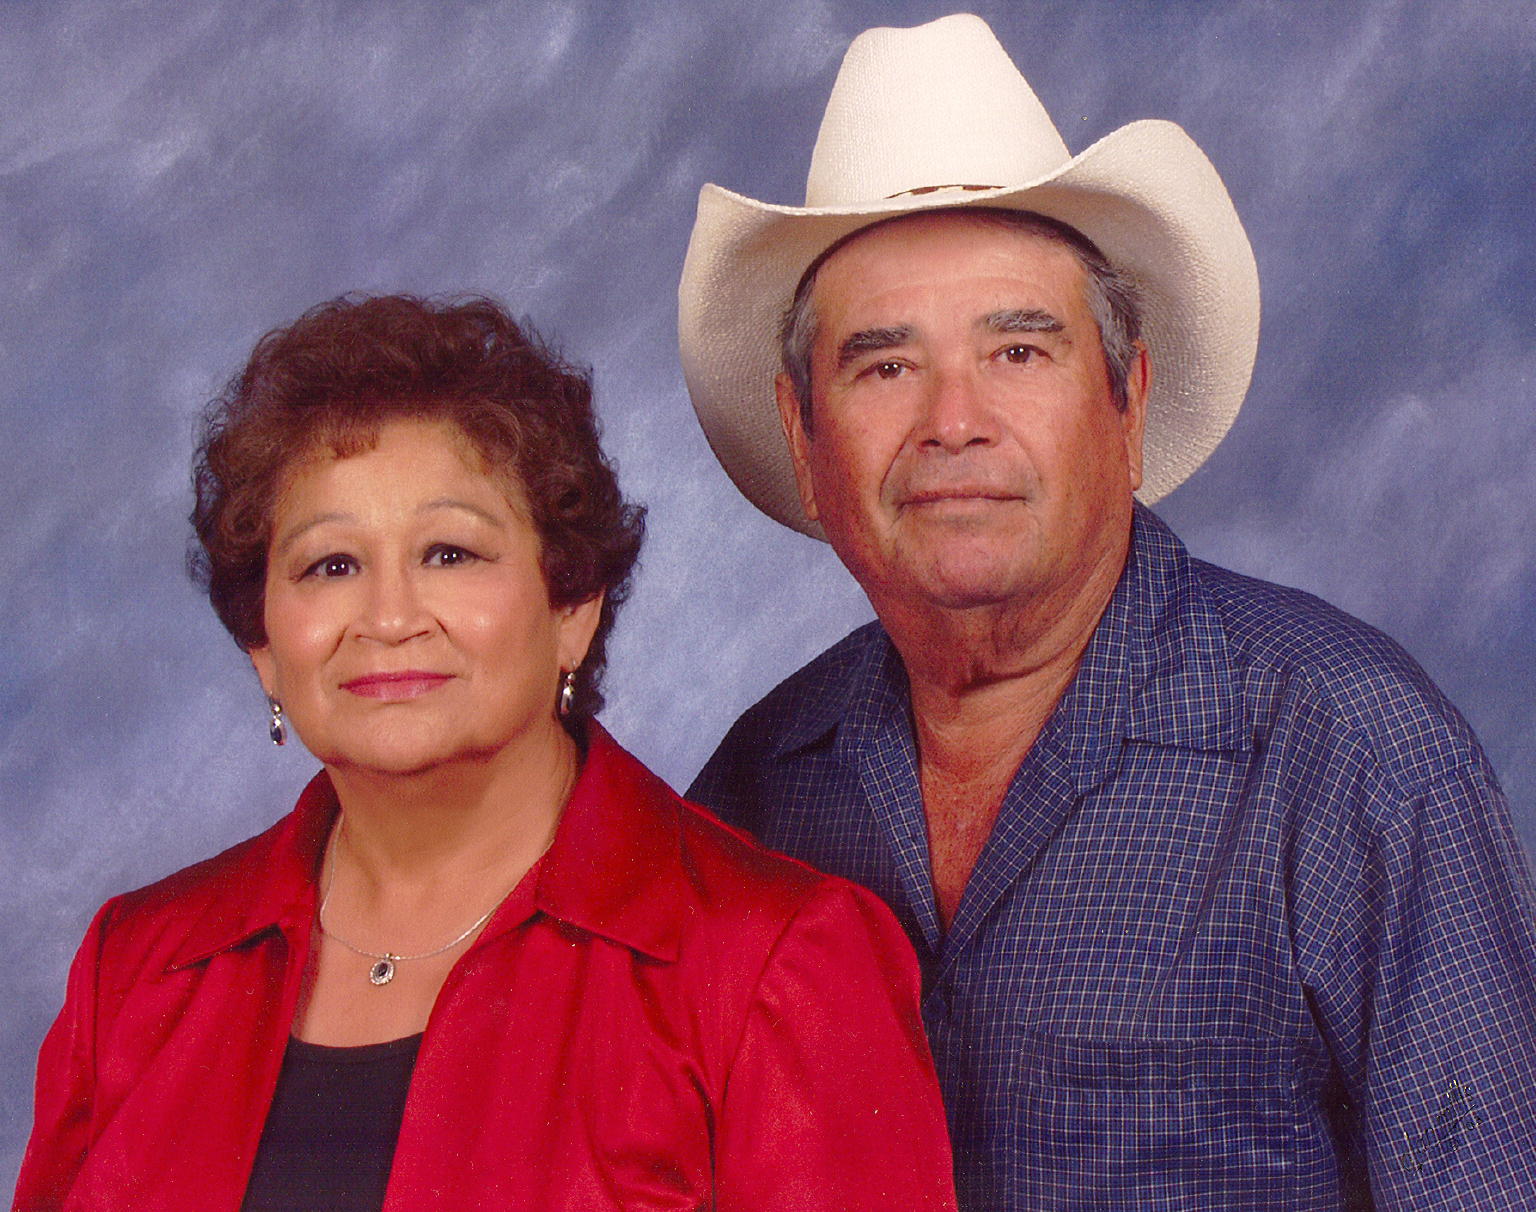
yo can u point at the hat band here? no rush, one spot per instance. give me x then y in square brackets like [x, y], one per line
[931, 189]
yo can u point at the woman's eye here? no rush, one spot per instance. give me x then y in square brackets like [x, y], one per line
[445, 555]
[333, 565]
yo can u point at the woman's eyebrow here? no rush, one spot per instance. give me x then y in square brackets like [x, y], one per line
[293, 532]
[455, 503]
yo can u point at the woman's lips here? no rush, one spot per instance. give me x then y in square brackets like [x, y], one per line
[395, 687]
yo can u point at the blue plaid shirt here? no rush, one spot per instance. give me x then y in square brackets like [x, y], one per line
[1252, 930]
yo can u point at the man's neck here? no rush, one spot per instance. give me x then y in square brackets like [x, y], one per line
[981, 694]
[999, 669]
[983, 684]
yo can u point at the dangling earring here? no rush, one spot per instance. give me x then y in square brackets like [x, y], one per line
[567, 691]
[276, 729]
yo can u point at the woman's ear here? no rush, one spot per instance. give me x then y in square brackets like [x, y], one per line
[266, 669]
[577, 625]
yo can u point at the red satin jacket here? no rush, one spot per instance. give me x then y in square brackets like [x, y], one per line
[661, 1015]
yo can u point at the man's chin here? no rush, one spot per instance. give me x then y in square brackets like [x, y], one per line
[971, 585]
[943, 567]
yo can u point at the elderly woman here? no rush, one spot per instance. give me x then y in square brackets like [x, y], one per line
[488, 961]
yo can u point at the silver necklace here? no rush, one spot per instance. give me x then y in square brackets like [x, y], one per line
[383, 971]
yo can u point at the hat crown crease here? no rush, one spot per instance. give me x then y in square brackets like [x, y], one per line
[941, 105]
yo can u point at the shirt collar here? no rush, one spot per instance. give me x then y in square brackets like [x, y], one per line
[1162, 638]
[862, 668]
[1157, 669]
[614, 868]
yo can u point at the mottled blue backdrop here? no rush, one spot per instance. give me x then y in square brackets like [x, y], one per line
[176, 179]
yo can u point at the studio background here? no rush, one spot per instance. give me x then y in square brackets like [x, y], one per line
[177, 179]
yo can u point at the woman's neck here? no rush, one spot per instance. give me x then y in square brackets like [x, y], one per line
[472, 819]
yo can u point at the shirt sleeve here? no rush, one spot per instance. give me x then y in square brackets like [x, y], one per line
[832, 1104]
[66, 1078]
[1428, 999]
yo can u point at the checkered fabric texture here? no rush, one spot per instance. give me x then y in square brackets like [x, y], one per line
[1252, 931]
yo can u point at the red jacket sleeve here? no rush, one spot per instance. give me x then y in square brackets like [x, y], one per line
[66, 1078]
[832, 1104]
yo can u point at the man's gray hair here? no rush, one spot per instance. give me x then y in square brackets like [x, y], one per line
[1112, 297]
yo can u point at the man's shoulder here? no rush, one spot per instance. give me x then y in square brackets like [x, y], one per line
[1295, 653]
[804, 707]
[1274, 625]
[819, 687]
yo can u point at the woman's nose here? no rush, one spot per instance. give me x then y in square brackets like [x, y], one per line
[393, 610]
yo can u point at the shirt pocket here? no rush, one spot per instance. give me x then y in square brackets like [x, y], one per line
[1217, 1122]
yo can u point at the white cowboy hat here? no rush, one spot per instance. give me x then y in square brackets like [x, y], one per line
[939, 116]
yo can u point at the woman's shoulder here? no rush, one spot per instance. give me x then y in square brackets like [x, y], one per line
[747, 888]
[712, 873]
[741, 892]
[155, 922]
[729, 862]
[207, 875]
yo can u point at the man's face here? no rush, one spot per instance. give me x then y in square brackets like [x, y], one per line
[965, 448]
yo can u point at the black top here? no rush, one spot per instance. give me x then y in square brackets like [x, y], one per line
[330, 1135]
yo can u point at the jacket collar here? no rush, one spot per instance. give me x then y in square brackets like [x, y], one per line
[614, 868]
[1157, 669]
[266, 883]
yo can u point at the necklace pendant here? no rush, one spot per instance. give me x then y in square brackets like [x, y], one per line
[382, 972]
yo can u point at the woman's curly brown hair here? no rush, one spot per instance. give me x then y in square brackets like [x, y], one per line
[329, 382]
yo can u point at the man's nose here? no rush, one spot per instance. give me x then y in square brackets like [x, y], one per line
[956, 413]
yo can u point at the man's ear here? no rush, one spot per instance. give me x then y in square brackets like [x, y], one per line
[1138, 383]
[799, 442]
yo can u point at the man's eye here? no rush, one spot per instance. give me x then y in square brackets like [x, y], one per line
[888, 370]
[445, 555]
[333, 565]
[1020, 353]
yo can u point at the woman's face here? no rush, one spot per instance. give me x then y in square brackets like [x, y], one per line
[408, 622]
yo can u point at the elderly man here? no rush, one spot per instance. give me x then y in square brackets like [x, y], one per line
[1217, 898]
